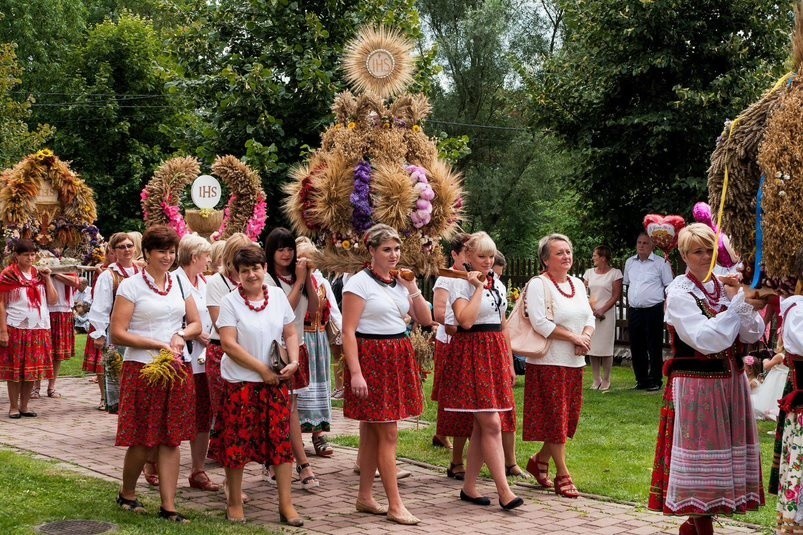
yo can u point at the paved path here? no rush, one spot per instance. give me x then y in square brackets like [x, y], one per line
[71, 430]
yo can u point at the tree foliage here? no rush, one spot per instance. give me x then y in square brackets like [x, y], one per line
[16, 139]
[116, 119]
[641, 89]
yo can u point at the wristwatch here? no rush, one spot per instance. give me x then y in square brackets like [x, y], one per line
[181, 333]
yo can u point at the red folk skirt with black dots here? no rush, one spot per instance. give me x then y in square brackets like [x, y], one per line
[301, 377]
[27, 357]
[476, 377]
[62, 330]
[394, 382]
[93, 356]
[253, 425]
[553, 399]
[154, 415]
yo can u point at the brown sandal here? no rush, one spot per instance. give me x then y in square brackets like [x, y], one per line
[514, 470]
[200, 480]
[52, 393]
[321, 446]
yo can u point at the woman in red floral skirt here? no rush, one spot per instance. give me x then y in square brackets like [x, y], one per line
[478, 376]
[553, 388]
[147, 319]
[25, 293]
[62, 325]
[254, 422]
[382, 385]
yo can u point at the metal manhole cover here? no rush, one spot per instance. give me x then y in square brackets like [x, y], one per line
[76, 527]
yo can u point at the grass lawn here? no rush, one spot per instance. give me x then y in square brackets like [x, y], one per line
[72, 367]
[612, 453]
[34, 492]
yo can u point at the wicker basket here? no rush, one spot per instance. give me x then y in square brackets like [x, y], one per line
[204, 226]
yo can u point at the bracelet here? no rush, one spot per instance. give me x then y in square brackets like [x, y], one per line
[413, 296]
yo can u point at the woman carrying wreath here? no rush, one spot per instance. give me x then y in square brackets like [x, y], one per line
[25, 358]
[254, 421]
[147, 319]
[707, 457]
[382, 382]
[62, 325]
[553, 388]
[478, 375]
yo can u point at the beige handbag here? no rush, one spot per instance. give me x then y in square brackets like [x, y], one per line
[523, 338]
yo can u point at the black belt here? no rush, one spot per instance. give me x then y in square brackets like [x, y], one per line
[381, 336]
[214, 342]
[482, 328]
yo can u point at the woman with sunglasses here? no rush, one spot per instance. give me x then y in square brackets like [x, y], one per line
[103, 295]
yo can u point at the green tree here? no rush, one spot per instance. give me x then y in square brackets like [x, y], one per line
[640, 89]
[16, 139]
[263, 75]
[116, 119]
[511, 169]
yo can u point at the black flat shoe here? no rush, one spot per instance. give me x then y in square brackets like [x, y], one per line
[130, 505]
[479, 500]
[29, 414]
[172, 516]
[512, 504]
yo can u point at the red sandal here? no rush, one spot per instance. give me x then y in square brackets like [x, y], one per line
[540, 470]
[564, 486]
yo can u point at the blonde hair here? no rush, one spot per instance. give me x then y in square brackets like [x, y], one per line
[305, 245]
[379, 234]
[546, 241]
[696, 233]
[234, 243]
[136, 238]
[216, 254]
[480, 243]
[190, 246]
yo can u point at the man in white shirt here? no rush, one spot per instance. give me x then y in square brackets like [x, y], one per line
[84, 294]
[646, 276]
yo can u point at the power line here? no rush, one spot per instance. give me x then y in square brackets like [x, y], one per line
[483, 126]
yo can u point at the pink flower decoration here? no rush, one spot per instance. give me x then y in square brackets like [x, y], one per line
[422, 215]
[175, 219]
[749, 360]
[257, 222]
[227, 215]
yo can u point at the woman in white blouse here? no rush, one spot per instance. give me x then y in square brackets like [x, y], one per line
[553, 388]
[193, 258]
[707, 432]
[254, 419]
[382, 384]
[121, 247]
[147, 318]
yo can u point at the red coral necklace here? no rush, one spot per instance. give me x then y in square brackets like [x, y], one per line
[561, 292]
[155, 288]
[289, 280]
[712, 297]
[260, 308]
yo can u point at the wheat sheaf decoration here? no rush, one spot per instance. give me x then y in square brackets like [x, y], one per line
[379, 61]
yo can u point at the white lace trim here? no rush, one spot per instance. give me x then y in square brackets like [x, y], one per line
[683, 284]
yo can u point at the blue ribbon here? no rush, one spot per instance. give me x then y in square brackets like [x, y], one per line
[759, 236]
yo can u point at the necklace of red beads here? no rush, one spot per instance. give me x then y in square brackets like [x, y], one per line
[261, 307]
[155, 288]
[712, 297]
[376, 275]
[124, 272]
[289, 280]
[561, 292]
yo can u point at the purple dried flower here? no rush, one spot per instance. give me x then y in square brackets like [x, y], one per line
[360, 198]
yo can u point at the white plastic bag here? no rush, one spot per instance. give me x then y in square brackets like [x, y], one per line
[766, 396]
